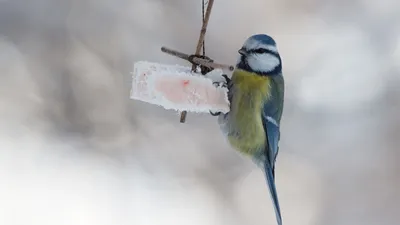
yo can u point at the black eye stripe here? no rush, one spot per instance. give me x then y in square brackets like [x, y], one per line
[260, 50]
[263, 51]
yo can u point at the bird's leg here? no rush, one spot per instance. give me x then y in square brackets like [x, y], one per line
[221, 84]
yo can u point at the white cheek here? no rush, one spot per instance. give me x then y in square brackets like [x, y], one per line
[263, 63]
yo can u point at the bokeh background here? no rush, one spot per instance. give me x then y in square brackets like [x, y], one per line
[74, 149]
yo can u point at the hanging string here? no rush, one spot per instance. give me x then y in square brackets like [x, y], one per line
[201, 42]
[203, 14]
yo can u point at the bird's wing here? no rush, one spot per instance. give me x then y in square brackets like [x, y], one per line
[273, 134]
[271, 116]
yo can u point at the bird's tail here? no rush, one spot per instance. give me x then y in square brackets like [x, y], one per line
[272, 190]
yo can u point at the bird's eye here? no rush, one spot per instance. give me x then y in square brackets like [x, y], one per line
[260, 50]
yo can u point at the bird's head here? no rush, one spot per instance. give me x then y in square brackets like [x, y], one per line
[259, 55]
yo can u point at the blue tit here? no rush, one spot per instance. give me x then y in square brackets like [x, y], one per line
[256, 96]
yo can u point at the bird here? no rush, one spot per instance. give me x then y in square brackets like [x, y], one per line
[256, 97]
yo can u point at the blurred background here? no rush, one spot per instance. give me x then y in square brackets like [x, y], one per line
[74, 149]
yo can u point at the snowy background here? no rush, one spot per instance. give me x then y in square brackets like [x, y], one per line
[75, 150]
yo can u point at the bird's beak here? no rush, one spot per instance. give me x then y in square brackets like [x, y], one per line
[242, 51]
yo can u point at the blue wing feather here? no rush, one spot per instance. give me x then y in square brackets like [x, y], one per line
[273, 134]
[271, 116]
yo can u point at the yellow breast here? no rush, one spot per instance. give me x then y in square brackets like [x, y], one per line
[250, 93]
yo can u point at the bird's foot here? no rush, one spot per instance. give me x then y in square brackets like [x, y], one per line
[217, 85]
[223, 84]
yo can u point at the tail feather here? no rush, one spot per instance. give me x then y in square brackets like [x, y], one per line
[272, 190]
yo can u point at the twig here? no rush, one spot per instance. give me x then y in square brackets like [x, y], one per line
[175, 53]
[197, 60]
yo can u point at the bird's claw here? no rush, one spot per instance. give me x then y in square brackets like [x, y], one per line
[215, 114]
[220, 84]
